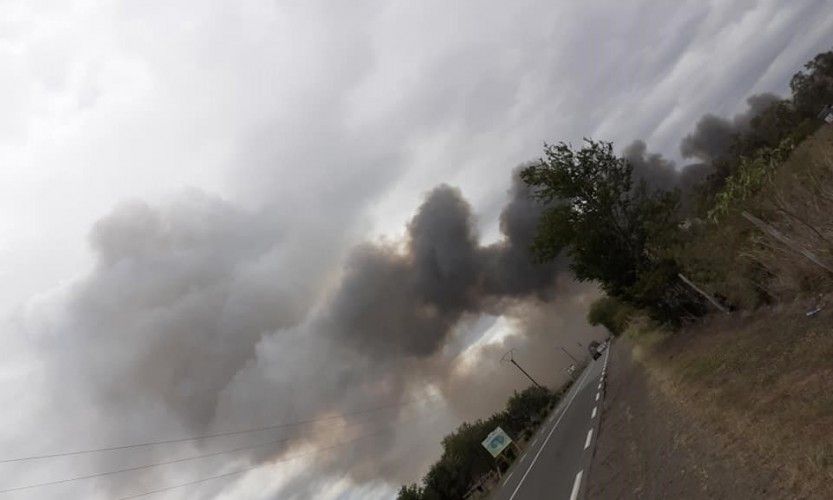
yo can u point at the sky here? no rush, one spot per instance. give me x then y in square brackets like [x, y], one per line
[222, 215]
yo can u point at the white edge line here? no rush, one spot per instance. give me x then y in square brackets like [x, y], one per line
[576, 486]
[544, 445]
[507, 478]
[589, 439]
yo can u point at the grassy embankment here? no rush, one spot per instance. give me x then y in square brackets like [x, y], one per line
[762, 379]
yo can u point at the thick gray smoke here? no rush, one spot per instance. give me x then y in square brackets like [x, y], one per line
[195, 319]
[652, 168]
[713, 136]
[408, 303]
[661, 173]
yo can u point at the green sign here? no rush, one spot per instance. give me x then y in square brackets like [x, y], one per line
[496, 441]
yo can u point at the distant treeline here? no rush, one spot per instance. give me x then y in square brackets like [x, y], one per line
[465, 460]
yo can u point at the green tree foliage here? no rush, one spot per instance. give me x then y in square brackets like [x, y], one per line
[410, 492]
[610, 313]
[524, 408]
[788, 121]
[749, 177]
[464, 460]
[813, 88]
[614, 231]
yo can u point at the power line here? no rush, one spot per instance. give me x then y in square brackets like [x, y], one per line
[253, 467]
[156, 464]
[241, 471]
[142, 467]
[214, 435]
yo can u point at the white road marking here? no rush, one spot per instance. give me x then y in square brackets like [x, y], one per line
[544, 445]
[589, 438]
[576, 486]
[522, 458]
[597, 396]
[535, 440]
[593, 415]
[507, 478]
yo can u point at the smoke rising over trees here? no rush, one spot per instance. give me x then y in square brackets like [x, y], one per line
[189, 311]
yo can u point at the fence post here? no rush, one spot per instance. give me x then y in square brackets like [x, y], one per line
[778, 235]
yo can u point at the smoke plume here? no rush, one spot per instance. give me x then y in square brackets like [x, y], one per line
[196, 320]
[713, 136]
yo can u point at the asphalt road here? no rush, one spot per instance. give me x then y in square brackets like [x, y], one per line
[554, 464]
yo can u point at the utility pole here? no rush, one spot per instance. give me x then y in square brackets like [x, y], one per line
[509, 357]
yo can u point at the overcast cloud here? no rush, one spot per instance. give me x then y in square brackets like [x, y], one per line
[222, 215]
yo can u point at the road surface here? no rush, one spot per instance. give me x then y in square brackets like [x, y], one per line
[554, 464]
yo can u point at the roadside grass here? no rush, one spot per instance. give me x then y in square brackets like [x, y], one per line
[762, 382]
[735, 259]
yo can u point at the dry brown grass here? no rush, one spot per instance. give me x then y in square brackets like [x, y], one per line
[737, 260]
[763, 383]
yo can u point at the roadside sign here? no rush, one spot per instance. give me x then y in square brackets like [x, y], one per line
[496, 441]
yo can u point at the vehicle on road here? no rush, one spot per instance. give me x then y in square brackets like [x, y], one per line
[596, 349]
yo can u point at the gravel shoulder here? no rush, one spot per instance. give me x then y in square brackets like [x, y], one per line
[650, 447]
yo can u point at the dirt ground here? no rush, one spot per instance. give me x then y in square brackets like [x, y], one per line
[649, 447]
[736, 406]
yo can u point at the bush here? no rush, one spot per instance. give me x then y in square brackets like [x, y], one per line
[610, 313]
[464, 459]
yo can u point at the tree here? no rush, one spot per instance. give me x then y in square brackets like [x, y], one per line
[410, 492]
[611, 314]
[812, 89]
[614, 231]
[525, 407]
[463, 460]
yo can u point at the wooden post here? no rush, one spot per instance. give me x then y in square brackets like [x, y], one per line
[778, 235]
[708, 297]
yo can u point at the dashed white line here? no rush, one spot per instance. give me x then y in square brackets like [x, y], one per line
[522, 458]
[576, 486]
[535, 440]
[563, 412]
[597, 396]
[589, 438]
[507, 478]
[593, 415]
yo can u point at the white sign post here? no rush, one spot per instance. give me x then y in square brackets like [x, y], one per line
[496, 441]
